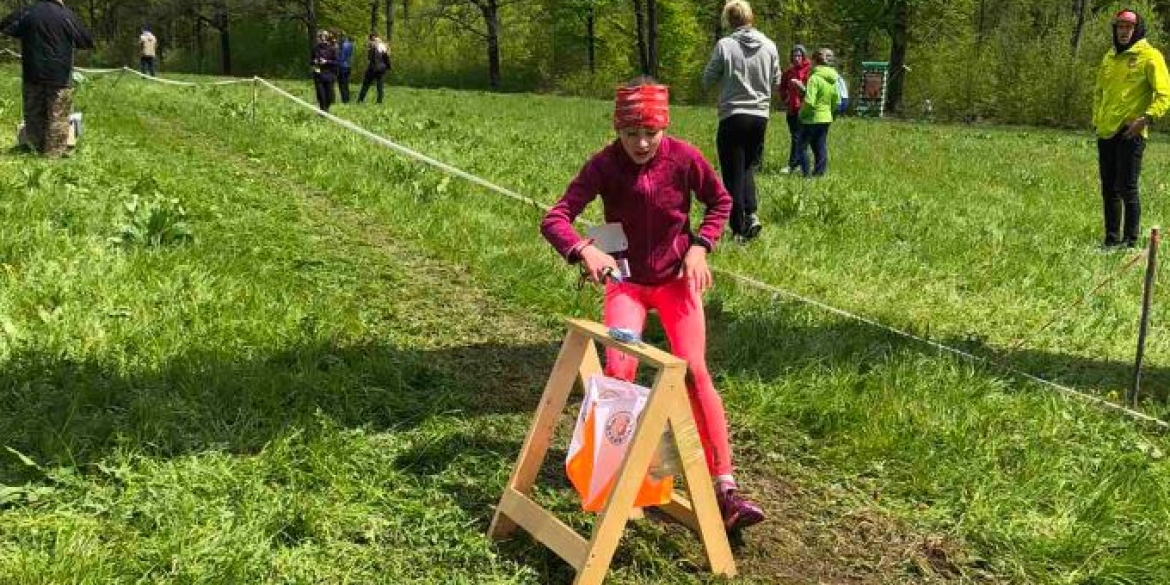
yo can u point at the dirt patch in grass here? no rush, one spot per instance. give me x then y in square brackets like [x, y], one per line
[811, 538]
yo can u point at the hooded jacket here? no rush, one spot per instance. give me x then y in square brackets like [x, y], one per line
[747, 63]
[48, 33]
[652, 201]
[791, 95]
[345, 54]
[325, 60]
[820, 96]
[1131, 82]
[378, 58]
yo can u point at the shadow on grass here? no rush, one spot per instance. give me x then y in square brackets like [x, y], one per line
[1100, 377]
[19, 151]
[773, 343]
[62, 412]
[462, 465]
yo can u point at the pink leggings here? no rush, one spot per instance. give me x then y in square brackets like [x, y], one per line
[680, 308]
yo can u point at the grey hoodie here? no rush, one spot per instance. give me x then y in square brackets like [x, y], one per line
[749, 66]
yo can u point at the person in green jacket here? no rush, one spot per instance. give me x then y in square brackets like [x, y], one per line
[1133, 88]
[816, 113]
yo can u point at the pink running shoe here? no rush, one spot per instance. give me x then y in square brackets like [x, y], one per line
[738, 513]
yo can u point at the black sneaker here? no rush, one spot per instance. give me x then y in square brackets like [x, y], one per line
[753, 228]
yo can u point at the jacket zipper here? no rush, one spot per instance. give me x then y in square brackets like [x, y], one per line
[644, 183]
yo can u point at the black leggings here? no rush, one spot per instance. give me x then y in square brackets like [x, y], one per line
[324, 85]
[740, 141]
[1120, 161]
[343, 84]
[374, 77]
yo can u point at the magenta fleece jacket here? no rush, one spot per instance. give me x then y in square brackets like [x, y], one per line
[651, 201]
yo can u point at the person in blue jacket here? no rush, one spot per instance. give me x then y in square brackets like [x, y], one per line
[344, 60]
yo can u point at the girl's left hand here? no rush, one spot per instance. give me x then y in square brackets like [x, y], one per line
[695, 269]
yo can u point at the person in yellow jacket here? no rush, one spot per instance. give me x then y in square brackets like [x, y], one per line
[1133, 88]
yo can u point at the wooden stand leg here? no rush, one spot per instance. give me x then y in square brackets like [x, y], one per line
[708, 524]
[565, 371]
[608, 530]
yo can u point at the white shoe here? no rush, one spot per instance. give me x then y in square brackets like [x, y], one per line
[785, 170]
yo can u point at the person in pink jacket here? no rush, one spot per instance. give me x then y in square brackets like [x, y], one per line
[646, 181]
[793, 99]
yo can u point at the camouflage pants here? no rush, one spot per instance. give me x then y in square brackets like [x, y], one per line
[46, 117]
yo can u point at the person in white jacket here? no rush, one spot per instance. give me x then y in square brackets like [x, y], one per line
[747, 66]
[147, 52]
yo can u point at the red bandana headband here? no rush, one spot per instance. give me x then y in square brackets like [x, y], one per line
[1126, 16]
[643, 106]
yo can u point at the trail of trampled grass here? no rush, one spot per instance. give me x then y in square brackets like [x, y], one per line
[1039, 488]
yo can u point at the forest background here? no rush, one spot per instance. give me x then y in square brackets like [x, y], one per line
[1009, 61]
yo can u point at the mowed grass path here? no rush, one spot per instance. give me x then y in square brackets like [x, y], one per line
[331, 382]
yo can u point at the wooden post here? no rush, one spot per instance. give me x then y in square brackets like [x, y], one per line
[255, 91]
[667, 405]
[1144, 323]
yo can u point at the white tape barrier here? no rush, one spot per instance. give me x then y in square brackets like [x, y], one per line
[8, 51]
[98, 71]
[189, 83]
[402, 149]
[744, 280]
[753, 283]
[92, 71]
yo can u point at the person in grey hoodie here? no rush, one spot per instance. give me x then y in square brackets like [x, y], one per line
[747, 66]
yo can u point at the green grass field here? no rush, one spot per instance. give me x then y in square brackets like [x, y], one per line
[268, 351]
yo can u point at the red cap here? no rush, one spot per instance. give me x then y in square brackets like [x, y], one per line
[643, 106]
[1126, 16]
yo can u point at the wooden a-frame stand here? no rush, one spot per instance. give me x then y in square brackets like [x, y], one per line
[668, 404]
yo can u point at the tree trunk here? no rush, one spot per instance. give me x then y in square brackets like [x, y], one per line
[652, 37]
[639, 26]
[390, 19]
[899, 42]
[592, 40]
[110, 22]
[199, 45]
[311, 24]
[491, 18]
[1079, 7]
[373, 17]
[719, 19]
[223, 22]
[981, 24]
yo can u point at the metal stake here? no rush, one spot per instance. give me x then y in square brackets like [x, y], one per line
[1144, 326]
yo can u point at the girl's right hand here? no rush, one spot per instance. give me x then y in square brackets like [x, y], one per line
[597, 263]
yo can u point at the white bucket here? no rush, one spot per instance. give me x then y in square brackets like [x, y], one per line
[75, 129]
[75, 123]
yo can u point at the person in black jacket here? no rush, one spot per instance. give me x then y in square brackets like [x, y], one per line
[324, 69]
[377, 64]
[48, 32]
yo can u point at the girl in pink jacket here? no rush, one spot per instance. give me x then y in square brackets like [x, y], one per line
[645, 180]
